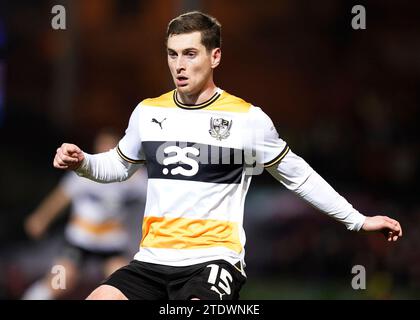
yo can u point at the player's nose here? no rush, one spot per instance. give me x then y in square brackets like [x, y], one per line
[179, 65]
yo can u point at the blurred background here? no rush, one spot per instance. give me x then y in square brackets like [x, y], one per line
[346, 100]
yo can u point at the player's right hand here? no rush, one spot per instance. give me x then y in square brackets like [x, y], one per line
[68, 156]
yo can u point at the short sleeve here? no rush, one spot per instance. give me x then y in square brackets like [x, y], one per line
[267, 147]
[130, 147]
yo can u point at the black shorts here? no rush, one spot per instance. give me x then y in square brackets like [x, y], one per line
[213, 280]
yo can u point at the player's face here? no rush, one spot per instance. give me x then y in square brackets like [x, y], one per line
[190, 63]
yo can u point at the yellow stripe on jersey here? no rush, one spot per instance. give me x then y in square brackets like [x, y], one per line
[218, 102]
[96, 228]
[229, 103]
[183, 233]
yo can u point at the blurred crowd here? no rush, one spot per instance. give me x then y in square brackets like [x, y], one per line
[346, 100]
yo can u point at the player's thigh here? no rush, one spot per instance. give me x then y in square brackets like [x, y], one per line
[106, 292]
[139, 281]
[215, 280]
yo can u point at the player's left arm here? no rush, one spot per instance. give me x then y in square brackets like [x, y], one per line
[298, 176]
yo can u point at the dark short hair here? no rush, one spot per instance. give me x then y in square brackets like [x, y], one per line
[193, 21]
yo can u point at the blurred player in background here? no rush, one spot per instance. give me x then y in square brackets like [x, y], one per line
[96, 226]
[191, 139]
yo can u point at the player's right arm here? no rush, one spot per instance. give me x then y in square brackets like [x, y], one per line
[68, 156]
[117, 164]
[102, 167]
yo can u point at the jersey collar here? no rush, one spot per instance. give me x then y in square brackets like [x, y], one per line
[202, 105]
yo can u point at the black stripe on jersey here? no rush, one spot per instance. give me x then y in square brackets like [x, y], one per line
[196, 106]
[278, 158]
[193, 162]
[127, 158]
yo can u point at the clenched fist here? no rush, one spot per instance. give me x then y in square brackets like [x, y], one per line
[68, 156]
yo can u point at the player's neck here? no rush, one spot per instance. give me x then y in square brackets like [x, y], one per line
[204, 95]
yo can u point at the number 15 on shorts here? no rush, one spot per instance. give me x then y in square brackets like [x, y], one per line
[219, 280]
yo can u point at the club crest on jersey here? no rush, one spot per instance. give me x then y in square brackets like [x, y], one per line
[220, 128]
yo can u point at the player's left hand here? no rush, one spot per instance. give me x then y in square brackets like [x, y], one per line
[389, 227]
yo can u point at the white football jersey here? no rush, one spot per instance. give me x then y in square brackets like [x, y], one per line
[199, 161]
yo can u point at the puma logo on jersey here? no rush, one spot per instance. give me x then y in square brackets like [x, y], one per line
[181, 156]
[216, 290]
[158, 122]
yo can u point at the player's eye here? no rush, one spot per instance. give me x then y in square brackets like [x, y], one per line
[191, 54]
[172, 54]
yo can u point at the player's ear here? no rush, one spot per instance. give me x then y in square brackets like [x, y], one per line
[216, 56]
